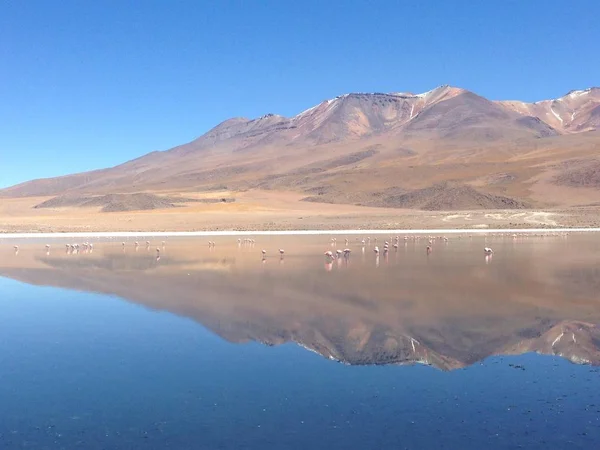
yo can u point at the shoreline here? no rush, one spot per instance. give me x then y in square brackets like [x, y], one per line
[125, 234]
[260, 211]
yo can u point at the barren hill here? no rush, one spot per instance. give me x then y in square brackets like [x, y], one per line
[379, 149]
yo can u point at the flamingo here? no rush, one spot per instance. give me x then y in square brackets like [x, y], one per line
[281, 252]
[329, 254]
[376, 250]
[488, 251]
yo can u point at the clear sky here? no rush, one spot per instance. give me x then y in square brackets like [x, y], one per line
[87, 84]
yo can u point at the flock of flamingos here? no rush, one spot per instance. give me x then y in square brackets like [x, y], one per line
[330, 255]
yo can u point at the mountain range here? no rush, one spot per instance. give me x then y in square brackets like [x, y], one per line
[448, 148]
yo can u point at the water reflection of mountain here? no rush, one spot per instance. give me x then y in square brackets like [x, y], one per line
[446, 316]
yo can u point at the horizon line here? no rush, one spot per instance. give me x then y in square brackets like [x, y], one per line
[133, 234]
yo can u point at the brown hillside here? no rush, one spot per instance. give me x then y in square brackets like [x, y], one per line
[394, 149]
[448, 196]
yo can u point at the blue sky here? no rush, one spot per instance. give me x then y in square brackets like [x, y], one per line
[87, 84]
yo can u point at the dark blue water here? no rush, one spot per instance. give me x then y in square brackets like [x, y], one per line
[81, 370]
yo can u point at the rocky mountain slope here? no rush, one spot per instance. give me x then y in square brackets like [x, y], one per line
[383, 143]
[576, 112]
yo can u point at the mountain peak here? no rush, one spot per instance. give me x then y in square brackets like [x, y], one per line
[581, 92]
[438, 89]
[269, 116]
[389, 122]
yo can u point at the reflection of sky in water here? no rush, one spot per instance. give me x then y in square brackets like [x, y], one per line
[81, 370]
[101, 373]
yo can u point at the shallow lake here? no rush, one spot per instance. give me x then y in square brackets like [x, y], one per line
[188, 346]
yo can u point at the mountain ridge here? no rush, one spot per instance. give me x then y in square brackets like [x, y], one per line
[463, 135]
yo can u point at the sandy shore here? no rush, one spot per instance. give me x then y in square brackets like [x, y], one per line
[183, 234]
[260, 211]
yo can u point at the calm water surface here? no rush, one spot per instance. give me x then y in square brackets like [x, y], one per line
[217, 348]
